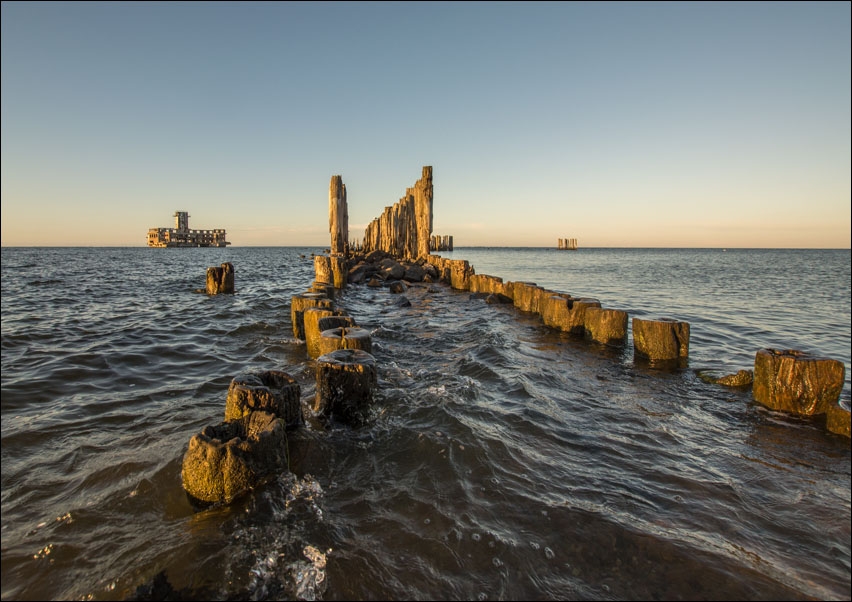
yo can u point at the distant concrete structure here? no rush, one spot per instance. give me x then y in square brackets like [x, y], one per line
[182, 236]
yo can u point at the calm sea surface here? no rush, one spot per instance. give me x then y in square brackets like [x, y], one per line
[504, 460]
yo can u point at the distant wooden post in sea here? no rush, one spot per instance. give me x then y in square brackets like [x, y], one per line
[567, 244]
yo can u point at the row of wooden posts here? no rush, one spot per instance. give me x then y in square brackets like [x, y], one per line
[226, 460]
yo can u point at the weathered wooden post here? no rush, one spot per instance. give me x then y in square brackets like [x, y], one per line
[339, 270]
[311, 318]
[338, 216]
[271, 391]
[344, 337]
[299, 303]
[837, 419]
[663, 340]
[527, 296]
[346, 381]
[225, 461]
[797, 382]
[460, 273]
[322, 269]
[221, 279]
[607, 326]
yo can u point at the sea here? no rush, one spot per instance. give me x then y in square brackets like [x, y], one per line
[502, 459]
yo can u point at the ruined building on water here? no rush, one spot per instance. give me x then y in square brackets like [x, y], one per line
[182, 236]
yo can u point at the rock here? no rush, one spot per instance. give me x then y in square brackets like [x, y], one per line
[271, 391]
[391, 270]
[226, 461]
[397, 287]
[797, 382]
[414, 273]
[375, 283]
[402, 301]
[497, 298]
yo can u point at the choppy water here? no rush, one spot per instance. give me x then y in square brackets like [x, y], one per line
[505, 460]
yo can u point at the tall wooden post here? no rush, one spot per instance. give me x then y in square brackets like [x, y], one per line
[338, 216]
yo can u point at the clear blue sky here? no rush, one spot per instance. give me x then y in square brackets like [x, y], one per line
[619, 124]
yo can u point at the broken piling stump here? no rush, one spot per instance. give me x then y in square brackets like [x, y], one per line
[221, 279]
[661, 341]
[299, 303]
[797, 382]
[346, 382]
[345, 337]
[272, 391]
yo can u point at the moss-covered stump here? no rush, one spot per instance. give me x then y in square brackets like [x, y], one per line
[221, 279]
[346, 382]
[345, 337]
[565, 313]
[339, 271]
[299, 303]
[663, 341]
[606, 326]
[225, 461]
[460, 273]
[271, 391]
[322, 269]
[526, 296]
[837, 419]
[797, 382]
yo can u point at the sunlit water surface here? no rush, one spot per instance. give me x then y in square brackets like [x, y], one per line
[504, 460]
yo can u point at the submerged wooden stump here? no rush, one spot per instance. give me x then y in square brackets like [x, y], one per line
[607, 326]
[663, 340]
[336, 321]
[797, 382]
[272, 391]
[225, 461]
[221, 279]
[350, 337]
[299, 303]
[346, 381]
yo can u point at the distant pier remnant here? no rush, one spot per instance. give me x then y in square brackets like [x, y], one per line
[796, 382]
[221, 279]
[338, 216]
[567, 244]
[441, 243]
[661, 340]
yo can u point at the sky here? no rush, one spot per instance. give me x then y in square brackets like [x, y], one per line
[637, 124]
